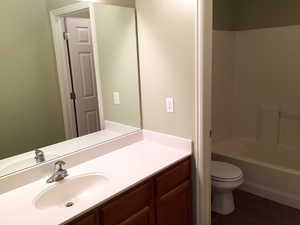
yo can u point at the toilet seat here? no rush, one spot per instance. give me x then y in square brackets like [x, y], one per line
[226, 180]
[225, 172]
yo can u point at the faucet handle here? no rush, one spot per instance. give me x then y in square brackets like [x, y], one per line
[59, 165]
[59, 172]
[37, 151]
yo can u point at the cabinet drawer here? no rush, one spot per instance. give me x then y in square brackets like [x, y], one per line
[128, 204]
[173, 177]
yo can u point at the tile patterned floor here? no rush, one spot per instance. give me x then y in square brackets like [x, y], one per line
[254, 210]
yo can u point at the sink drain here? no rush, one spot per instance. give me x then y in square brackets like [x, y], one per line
[69, 204]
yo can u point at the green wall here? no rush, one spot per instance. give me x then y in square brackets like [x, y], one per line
[117, 48]
[31, 114]
[223, 16]
[167, 61]
[255, 14]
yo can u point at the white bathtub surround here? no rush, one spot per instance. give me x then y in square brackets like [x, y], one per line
[267, 70]
[124, 167]
[289, 129]
[268, 125]
[259, 69]
[258, 120]
[223, 84]
[269, 173]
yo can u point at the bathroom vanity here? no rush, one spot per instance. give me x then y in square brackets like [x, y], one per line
[143, 178]
[162, 199]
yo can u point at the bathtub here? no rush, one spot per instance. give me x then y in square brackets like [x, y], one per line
[270, 172]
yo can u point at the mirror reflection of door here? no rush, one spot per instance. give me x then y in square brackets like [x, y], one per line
[40, 97]
[82, 70]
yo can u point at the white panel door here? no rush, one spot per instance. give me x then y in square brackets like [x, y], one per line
[83, 74]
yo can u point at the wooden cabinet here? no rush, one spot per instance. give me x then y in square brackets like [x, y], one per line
[174, 195]
[172, 177]
[175, 206]
[165, 199]
[142, 217]
[133, 207]
[90, 218]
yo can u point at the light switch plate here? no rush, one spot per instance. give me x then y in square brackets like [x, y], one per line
[116, 97]
[169, 104]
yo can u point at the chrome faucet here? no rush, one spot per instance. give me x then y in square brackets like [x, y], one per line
[39, 156]
[59, 172]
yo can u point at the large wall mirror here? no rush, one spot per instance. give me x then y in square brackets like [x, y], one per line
[69, 79]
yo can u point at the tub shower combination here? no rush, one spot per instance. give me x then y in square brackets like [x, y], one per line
[271, 165]
[270, 172]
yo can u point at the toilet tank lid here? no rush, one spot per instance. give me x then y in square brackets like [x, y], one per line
[225, 170]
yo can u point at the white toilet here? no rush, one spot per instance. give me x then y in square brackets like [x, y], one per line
[225, 178]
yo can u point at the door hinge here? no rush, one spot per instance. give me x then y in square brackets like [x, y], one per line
[73, 95]
[66, 35]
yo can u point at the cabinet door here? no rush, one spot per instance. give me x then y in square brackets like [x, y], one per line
[87, 219]
[143, 217]
[175, 207]
[135, 207]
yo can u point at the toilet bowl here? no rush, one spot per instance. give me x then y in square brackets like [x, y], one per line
[225, 178]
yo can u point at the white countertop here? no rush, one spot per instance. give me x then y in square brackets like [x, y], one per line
[124, 167]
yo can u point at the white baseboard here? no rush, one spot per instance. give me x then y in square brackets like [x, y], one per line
[271, 194]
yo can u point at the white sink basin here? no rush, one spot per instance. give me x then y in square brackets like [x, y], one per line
[71, 190]
[22, 163]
